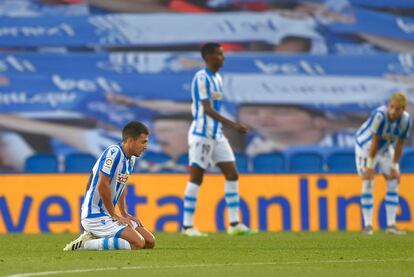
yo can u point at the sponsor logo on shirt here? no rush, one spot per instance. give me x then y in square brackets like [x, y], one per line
[122, 178]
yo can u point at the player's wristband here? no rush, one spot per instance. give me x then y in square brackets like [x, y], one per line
[370, 162]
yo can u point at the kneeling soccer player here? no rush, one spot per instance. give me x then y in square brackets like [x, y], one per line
[104, 228]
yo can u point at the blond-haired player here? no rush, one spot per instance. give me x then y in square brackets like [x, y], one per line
[379, 141]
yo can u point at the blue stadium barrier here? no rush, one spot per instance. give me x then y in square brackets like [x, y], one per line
[407, 162]
[42, 163]
[242, 162]
[79, 163]
[183, 159]
[269, 163]
[341, 161]
[182, 164]
[306, 162]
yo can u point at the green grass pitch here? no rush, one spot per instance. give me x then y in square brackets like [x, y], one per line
[264, 254]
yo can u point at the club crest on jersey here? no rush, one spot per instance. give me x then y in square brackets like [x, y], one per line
[122, 178]
[216, 95]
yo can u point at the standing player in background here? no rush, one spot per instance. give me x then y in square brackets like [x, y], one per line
[380, 140]
[105, 229]
[207, 143]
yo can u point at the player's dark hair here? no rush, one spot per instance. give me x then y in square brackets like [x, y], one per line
[208, 49]
[133, 130]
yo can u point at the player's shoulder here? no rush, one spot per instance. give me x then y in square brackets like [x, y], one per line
[406, 117]
[202, 73]
[113, 150]
[380, 112]
[381, 109]
[406, 114]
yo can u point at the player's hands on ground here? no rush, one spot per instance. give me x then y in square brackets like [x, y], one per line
[368, 174]
[240, 128]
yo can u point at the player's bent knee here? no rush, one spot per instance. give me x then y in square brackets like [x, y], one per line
[138, 243]
[150, 242]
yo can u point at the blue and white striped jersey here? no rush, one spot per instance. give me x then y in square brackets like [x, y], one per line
[379, 124]
[114, 163]
[206, 86]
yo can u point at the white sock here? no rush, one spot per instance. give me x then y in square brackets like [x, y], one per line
[391, 201]
[190, 202]
[367, 201]
[113, 243]
[231, 190]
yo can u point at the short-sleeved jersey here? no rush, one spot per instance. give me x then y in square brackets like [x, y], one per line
[389, 131]
[113, 163]
[206, 86]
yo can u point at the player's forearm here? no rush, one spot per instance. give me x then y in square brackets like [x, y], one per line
[398, 151]
[122, 205]
[215, 115]
[374, 146]
[372, 151]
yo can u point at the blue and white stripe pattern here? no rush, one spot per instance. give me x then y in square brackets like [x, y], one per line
[114, 243]
[189, 204]
[389, 131]
[114, 163]
[231, 195]
[391, 198]
[367, 201]
[232, 199]
[206, 86]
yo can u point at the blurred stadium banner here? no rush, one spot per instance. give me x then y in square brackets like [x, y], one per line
[79, 91]
[136, 29]
[139, 30]
[137, 63]
[51, 203]
[39, 83]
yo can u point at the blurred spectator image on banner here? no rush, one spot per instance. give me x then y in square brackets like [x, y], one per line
[298, 73]
[280, 127]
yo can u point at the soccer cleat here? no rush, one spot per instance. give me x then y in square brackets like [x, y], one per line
[394, 230]
[240, 229]
[78, 243]
[192, 232]
[368, 230]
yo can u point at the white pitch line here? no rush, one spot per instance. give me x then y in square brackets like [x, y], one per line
[46, 273]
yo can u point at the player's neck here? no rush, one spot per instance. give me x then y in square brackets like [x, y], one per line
[126, 150]
[213, 69]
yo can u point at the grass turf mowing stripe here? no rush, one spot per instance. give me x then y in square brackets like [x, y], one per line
[56, 272]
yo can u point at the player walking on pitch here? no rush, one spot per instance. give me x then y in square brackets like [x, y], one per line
[208, 145]
[380, 140]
